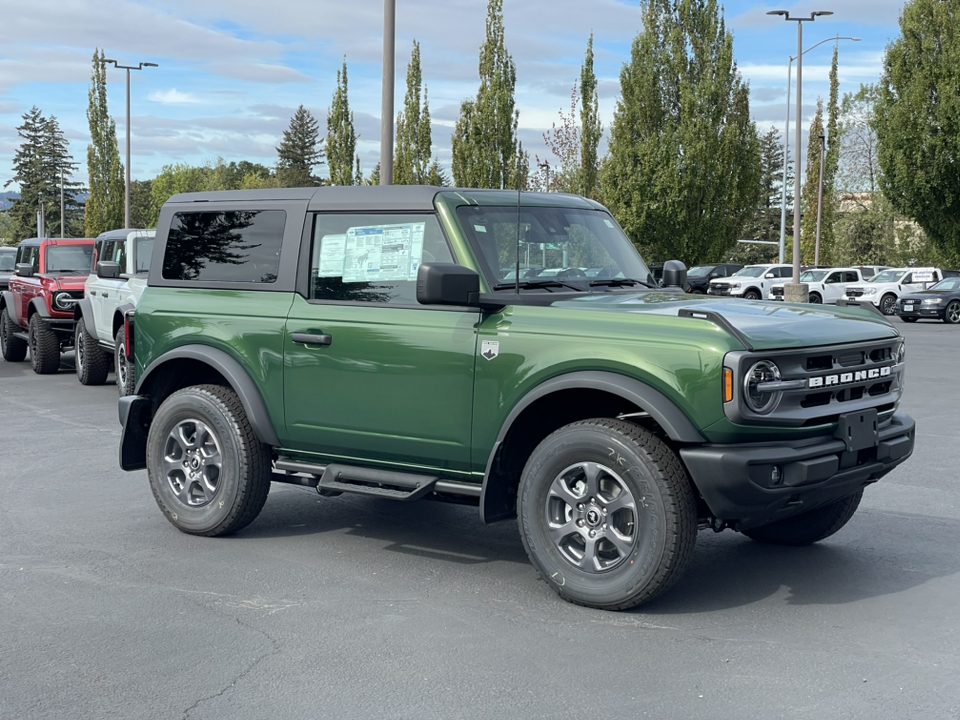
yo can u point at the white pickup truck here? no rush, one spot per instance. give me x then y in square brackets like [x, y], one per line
[885, 288]
[120, 265]
[752, 282]
[824, 285]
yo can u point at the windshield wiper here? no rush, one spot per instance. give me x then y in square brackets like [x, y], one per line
[618, 282]
[534, 284]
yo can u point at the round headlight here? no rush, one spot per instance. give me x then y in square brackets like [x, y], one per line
[761, 372]
[61, 301]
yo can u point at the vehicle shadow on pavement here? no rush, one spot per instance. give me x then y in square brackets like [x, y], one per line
[876, 554]
[434, 530]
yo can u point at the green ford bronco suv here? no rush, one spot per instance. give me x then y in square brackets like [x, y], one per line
[501, 349]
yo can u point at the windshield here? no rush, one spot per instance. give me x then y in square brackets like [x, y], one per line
[947, 285]
[69, 259]
[700, 270]
[888, 276]
[753, 271]
[7, 261]
[566, 247]
[813, 275]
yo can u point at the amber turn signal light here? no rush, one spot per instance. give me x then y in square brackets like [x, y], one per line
[727, 385]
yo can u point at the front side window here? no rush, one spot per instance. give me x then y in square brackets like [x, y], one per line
[71, 259]
[567, 246]
[224, 246]
[361, 257]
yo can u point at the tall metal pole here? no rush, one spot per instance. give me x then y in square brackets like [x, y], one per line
[62, 216]
[786, 162]
[386, 124]
[816, 255]
[126, 195]
[796, 178]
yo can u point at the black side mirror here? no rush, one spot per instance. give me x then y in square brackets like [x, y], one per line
[23, 269]
[447, 284]
[108, 269]
[674, 274]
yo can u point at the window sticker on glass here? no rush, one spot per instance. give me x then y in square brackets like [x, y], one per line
[607, 223]
[332, 255]
[383, 252]
[480, 228]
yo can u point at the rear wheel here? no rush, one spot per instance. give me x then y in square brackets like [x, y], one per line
[951, 314]
[93, 364]
[123, 367]
[808, 527]
[14, 348]
[607, 514]
[888, 305]
[209, 472]
[44, 347]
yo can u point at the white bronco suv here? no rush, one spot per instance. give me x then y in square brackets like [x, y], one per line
[885, 288]
[824, 285]
[752, 282]
[120, 264]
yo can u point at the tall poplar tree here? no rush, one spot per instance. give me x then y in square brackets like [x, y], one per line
[809, 192]
[917, 121]
[683, 173]
[414, 138]
[831, 165]
[104, 207]
[299, 151]
[341, 137]
[38, 164]
[591, 128]
[485, 138]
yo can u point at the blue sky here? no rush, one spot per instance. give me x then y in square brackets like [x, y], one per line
[232, 72]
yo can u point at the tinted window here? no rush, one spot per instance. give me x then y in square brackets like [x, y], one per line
[234, 246]
[144, 253]
[373, 258]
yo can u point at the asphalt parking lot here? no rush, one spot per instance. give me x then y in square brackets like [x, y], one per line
[355, 607]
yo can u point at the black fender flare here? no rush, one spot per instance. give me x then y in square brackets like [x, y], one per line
[84, 309]
[122, 312]
[7, 301]
[236, 376]
[38, 305]
[664, 411]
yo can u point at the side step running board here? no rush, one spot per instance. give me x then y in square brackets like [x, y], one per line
[334, 479]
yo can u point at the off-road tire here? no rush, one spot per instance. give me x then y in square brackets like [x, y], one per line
[615, 571]
[888, 304]
[126, 382]
[14, 349]
[44, 347]
[951, 313]
[189, 426]
[93, 364]
[752, 294]
[809, 527]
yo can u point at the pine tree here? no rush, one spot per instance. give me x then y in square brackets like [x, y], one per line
[765, 225]
[38, 164]
[917, 121]
[683, 173]
[299, 152]
[591, 129]
[414, 140]
[104, 208]
[485, 137]
[341, 138]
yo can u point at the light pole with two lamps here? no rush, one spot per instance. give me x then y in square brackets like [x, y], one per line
[128, 68]
[796, 292]
[786, 144]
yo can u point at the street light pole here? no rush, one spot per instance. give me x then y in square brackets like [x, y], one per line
[126, 198]
[386, 110]
[786, 146]
[823, 157]
[799, 292]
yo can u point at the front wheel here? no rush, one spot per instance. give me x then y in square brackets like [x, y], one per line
[209, 472]
[44, 347]
[14, 349]
[815, 299]
[888, 305]
[751, 294]
[607, 514]
[93, 364]
[809, 527]
[951, 315]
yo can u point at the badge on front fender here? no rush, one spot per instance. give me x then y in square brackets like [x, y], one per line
[489, 349]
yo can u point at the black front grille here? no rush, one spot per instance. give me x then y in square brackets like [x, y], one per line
[854, 292]
[777, 291]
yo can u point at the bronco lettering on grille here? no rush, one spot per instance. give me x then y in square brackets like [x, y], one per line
[849, 377]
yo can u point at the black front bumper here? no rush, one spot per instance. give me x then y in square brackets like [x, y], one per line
[756, 484]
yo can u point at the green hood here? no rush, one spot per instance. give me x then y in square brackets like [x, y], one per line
[765, 325]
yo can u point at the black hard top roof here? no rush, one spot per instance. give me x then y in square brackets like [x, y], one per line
[36, 242]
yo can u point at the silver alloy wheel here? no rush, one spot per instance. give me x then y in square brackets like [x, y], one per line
[888, 306]
[120, 364]
[953, 312]
[192, 463]
[591, 517]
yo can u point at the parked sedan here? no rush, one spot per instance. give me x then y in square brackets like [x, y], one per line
[938, 302]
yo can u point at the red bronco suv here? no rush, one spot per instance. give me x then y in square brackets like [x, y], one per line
[37, 309]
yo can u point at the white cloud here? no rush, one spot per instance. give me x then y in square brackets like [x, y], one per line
[173, 97]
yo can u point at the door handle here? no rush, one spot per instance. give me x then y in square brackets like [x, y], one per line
[310, 339]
